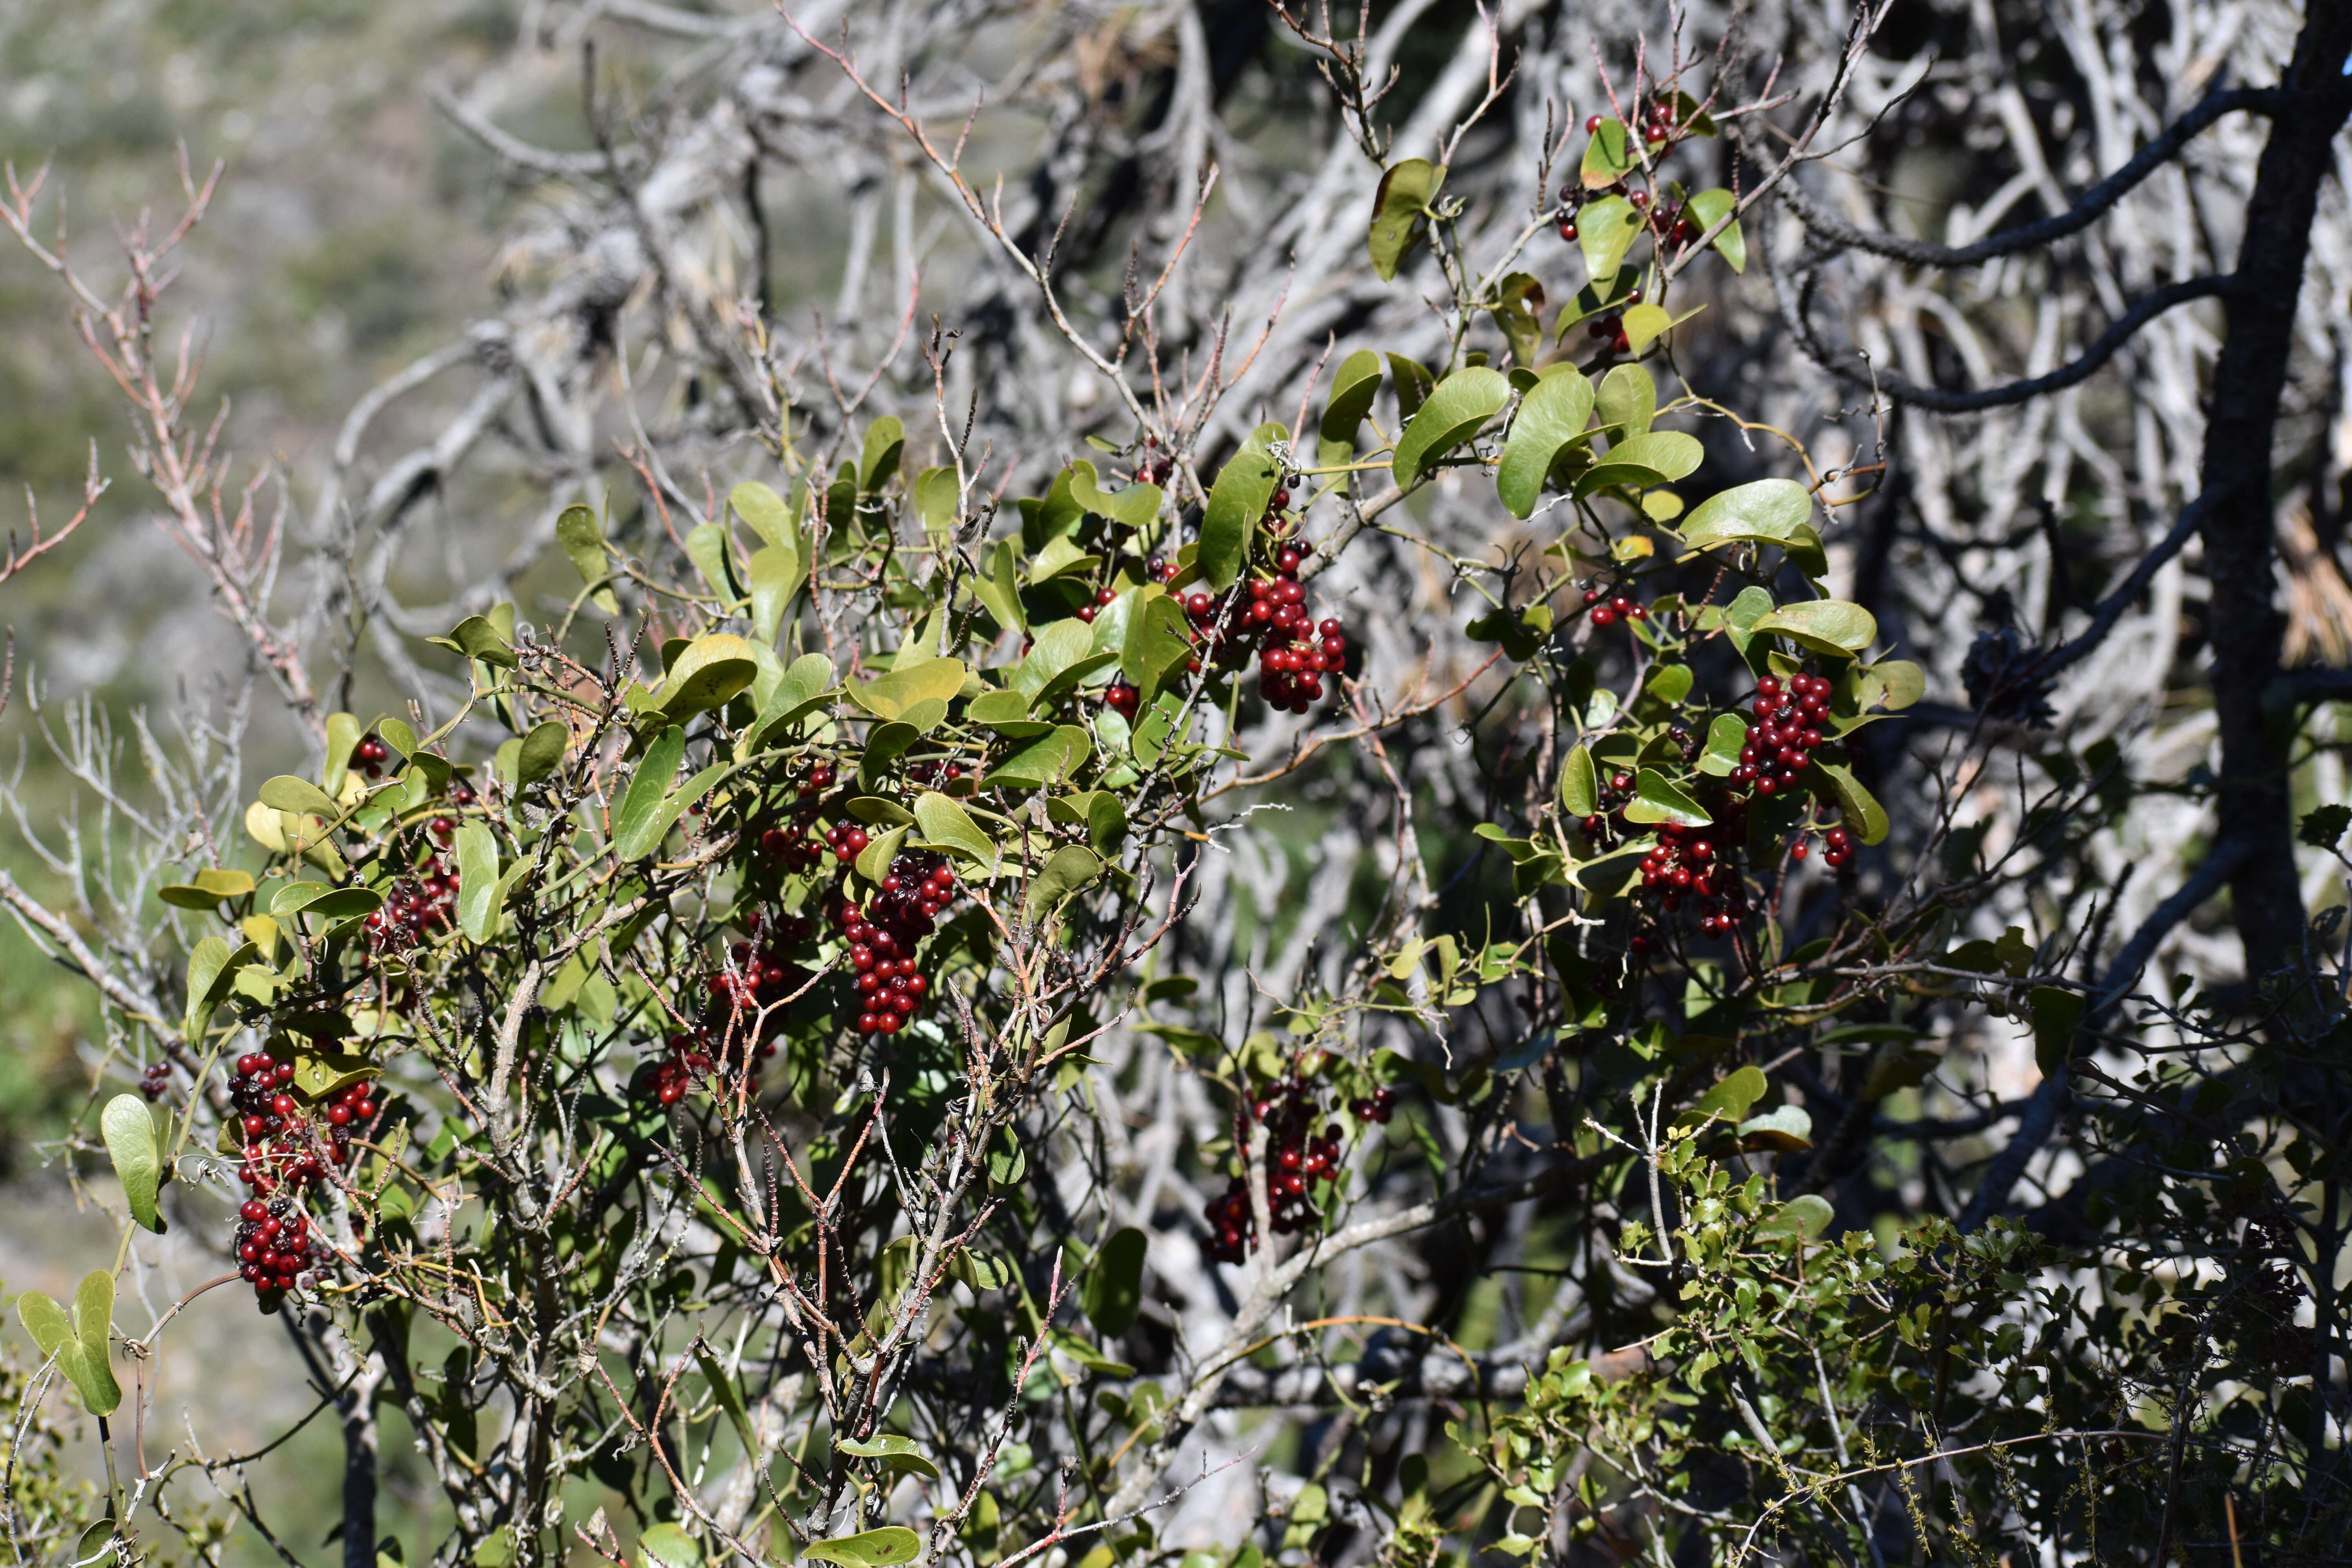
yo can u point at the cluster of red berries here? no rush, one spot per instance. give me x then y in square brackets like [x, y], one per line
[156, 1081]
[1685, 861]
[1294, 650]
[372, 754]
[1123, 698]
[891, 984]
[1302, 1153]
[934, 772]
[1607, 610]
[1788, 728]
[1837, 848]
[280, 1147]
[1104, 597]
[276, 1251]
[1377, 1106]
[415, 907]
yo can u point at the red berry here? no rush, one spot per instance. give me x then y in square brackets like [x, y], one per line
[1591, 123]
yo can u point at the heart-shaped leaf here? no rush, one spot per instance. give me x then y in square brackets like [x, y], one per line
[1653, 458]
[129, 1129]
[1550, 417]
[666, 1545]
[1767, 510]
[288, 793]
[1710, 207]
[899, 1456]
[885, 441]
[582, 537]
[1728, 1100]
[1458, 408]
[1825, 626]
[882, 1548]
[79, 1342]
[1656, 798]
[1354, 386]
[646, 789]
[478, 637]
[1605, 231]
[1113, 1293]
[1627, 401]
[541, 750]
[1805, 1217]
[206, 888]
[1608, 156]
[1400, 208]
[1785, 1130]
[1856, 804]
[1724, 738]
[1238, 501]
[1580, 784]
[711, 671]
[946, 822]
[1135, 506]
[1067, 870]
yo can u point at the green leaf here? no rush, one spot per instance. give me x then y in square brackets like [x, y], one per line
[68, 1339]
[1856, 804]
[764, 510]
[1456, 409]
[129, 1132]
[582, 537]
[288, 793]
[1518, 311]
[892, 1545]
[2056, 1013]
[1608, 157]
[1710, 207]
[712, 671]
[93, 1318]
[1769, 510]
[775, 573]
[642, 804]
[1414, 380]
[343, 734]
[1354, 386]
[1804, 1216]
[896, 693]
[1785, 1130]
[210, 887]
[1725, 737]
[1066, 871]
[1902, 683]
[666, 1545]
[1159, 643]
[899, 1456]
[1550, 418]
[1042, 761]
[1238, 501]
[946, 822]
[476, 637]
[1653, 458]
[937, 496]
[1580, 784]
[708, 546]
[477, 880]
[1113, 1293]
[1628, 400]
[1605, 231]
[1656, 799]
[1136, 506]
[885, 441]
[1728, 1100]
[543, 750]
[1825, 626]
[1400, 208]
[874, 860]
[211, 969]
[2324, 827]
[730, 1397]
